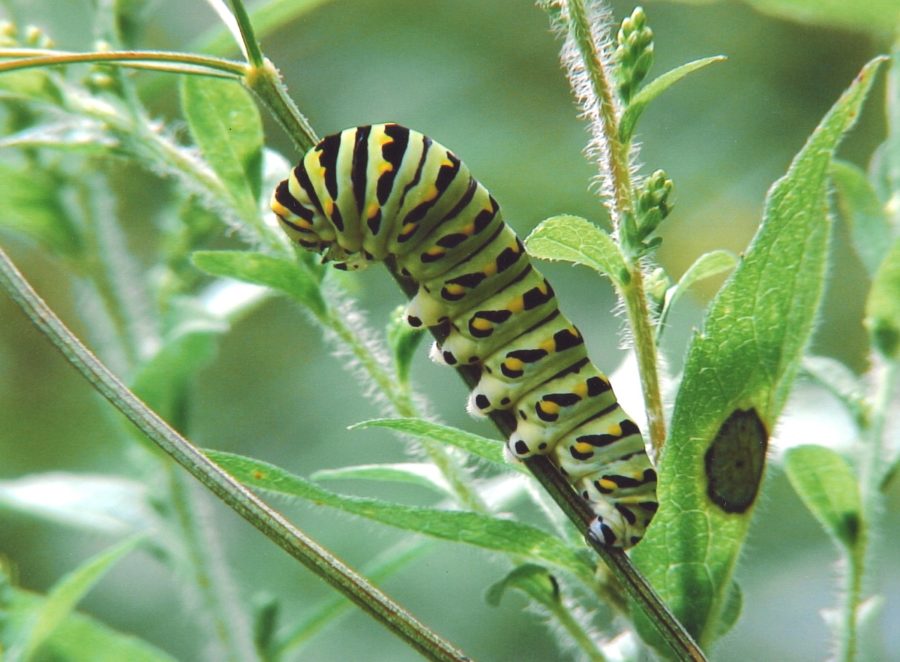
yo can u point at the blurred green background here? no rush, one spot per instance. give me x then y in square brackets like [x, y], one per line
[484, 79]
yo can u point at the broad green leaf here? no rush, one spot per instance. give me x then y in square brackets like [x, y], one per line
[79, 638]
[484, 531]
[104, 504]
[487, 449]
[863, 213]
[261, 269]
[62, 598]
[31, 205]
[841, 382]
[737, 376]
[422, 474]
[160, 381]
[534, 580]
[225, 124]
[653, 89]
[883, 306]
[828, 488]
[577, 240]
[707, 265]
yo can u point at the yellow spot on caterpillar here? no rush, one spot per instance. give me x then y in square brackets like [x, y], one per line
[582, 447]
[372, 211]
[490, 269]
[434, 251]
[548, 345]
[517, 305]
[580, 389]
[430, 194]
[329, 207]
[455, 289]
[606, 484]
[514, 364]
[384, 167]
[469, 230]
[480, 324]
[549, 407]
[615, 430]
[446, 163]
[385, 139]
[406, 229]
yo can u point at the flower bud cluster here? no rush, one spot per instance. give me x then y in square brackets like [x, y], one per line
[634, 53]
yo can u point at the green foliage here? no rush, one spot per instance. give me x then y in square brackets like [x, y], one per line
[745, 356]
[154, 229]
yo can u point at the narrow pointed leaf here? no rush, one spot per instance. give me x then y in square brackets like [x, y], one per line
[828, 488]
[422, 474]
[261, 269]
[737, 376]
[653, 89]
[32, 207]
[577, 240]
[487, 449]
[473, 528]
[707, 265]
[78, 638]
[62, 599]
[534, 580]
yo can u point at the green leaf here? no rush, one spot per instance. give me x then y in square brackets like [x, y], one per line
[261, 269]
[707, 265]
[883, 306]
[403, 340]
[734, 603]
[62, 598]
[577, 240]
[422, 474]
[31, 205]
[737, 376]
[79, 638]
[653, 89]
[828, 488]
[533, 580]
[225, 124]
[487, 449]
[484, 531]
[103, 504]
[191, 345]
[863, 213]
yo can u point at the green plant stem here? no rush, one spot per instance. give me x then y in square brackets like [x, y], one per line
[254, 55]
[615, 165]
[213, 583]
[265, 82]
[615, 154]
[185, 63]
[230, 491]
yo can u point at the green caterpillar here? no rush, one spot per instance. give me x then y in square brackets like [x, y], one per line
[380, 192]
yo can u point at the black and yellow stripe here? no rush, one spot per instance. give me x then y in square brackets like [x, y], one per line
[380, 191]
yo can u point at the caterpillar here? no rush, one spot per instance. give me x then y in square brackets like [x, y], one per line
[385, 192]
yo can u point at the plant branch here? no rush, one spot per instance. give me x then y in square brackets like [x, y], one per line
[234, 494]
[186, 63]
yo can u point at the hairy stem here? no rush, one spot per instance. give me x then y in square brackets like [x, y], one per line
[615, 164]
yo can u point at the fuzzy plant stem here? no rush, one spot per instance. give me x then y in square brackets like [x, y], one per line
[231, 492]
[614, 162]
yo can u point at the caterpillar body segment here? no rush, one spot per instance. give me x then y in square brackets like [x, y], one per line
[383, 191]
